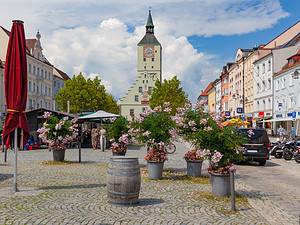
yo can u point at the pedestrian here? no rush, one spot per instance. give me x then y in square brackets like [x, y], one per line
[281, 131]
[94, 137]
[102, 139]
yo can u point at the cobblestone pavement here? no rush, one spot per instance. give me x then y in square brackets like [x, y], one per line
[74, 193]
[276, 187]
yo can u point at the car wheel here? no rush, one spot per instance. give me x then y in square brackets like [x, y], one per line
[262, 162]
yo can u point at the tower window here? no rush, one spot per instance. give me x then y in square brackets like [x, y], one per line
[140, 89]
[144, 59]
[152, 59]
[152, 67]
[136, 98]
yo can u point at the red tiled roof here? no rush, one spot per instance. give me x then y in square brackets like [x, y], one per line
[293, 61]
[207, 89]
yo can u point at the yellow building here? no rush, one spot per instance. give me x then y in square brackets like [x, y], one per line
[212, 99]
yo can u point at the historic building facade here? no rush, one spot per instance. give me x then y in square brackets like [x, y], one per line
[286, 105]
[149, 64]
[225, 90]
[41, 73]
[218, 91]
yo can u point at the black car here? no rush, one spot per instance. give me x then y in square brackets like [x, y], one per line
[258, 145]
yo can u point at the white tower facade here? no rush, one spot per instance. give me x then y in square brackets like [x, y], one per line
[149, 63]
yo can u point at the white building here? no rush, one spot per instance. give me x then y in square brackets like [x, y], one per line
[287, 95]
[218, 96]
[40, 72]
[149, 60]
[269, 63]
[263, 87]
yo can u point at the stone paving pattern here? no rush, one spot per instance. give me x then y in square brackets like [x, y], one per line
[74, 193]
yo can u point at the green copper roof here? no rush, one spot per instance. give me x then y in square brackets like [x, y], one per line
[149, 21]
[149, 39]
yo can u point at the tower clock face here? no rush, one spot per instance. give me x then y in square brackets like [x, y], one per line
[148, 52]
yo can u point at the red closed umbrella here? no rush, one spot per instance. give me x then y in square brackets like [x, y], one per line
[15, 82]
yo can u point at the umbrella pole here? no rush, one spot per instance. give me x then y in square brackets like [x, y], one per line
[15, 188]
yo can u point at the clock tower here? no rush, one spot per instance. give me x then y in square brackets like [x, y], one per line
[149, 59]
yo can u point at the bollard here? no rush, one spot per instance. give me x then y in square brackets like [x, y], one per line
[232, 191]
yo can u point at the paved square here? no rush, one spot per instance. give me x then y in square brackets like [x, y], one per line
[73, 193]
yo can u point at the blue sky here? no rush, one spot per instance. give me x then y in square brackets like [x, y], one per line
[99, 38]
[225, 46]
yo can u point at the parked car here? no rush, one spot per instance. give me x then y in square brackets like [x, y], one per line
[258, 145]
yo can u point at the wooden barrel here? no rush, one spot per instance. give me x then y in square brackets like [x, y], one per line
[123, 180]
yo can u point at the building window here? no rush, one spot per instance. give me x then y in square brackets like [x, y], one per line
[55, 83]
[38, 71]
[30, 68]
[283, 83]
[146, 81]
[152, 59]
[291, 80]
[144, 67]
[34, 72]
[264, 68]
[269, 83]
[141, 89]
[30, 88]
[131, 112]
[49, 76]
[144, 59]
[49, 91]
[37, 89]
[30, 103]
[136, 98]
[42, 73]
[269, 65]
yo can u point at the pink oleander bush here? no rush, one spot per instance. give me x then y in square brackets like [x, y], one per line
[156, 153]
[205, 131]
[57, 133]
[156, 129]
[120, 145]
[196, 155]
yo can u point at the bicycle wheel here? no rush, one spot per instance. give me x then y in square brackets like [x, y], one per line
[170, 148]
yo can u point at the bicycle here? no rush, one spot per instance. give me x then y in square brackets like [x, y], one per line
[168, 149]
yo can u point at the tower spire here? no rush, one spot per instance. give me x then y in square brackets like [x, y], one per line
[149, 24]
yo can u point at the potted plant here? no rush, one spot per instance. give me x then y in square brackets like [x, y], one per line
[58, 134]
[119, 148]
[154, 128]
[118, 135]
[205, 131]
[194, 159]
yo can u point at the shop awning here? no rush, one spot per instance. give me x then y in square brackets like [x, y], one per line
[99, 115]
[280, 119]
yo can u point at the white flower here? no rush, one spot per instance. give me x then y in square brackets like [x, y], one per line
[47, 115]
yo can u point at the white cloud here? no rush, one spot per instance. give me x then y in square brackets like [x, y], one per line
[92, 36]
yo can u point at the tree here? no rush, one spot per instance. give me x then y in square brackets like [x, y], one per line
[168, 91]
[85, 95]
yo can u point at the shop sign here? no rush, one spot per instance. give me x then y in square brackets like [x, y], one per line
[292, 114]
[278, 115]
[227, 113]
[261, 114]
[239, 110]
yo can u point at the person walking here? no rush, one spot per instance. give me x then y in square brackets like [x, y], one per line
[102, 139]
[293, 132]
[94, 137]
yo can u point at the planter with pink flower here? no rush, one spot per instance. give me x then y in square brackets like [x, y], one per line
[194, 159]
[154, 128]
[204, 131]
[57, 134]
[119, 148]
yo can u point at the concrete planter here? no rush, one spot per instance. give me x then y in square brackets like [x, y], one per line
[194, 168]
[220, 184]
[155, 170]
[58, 155]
